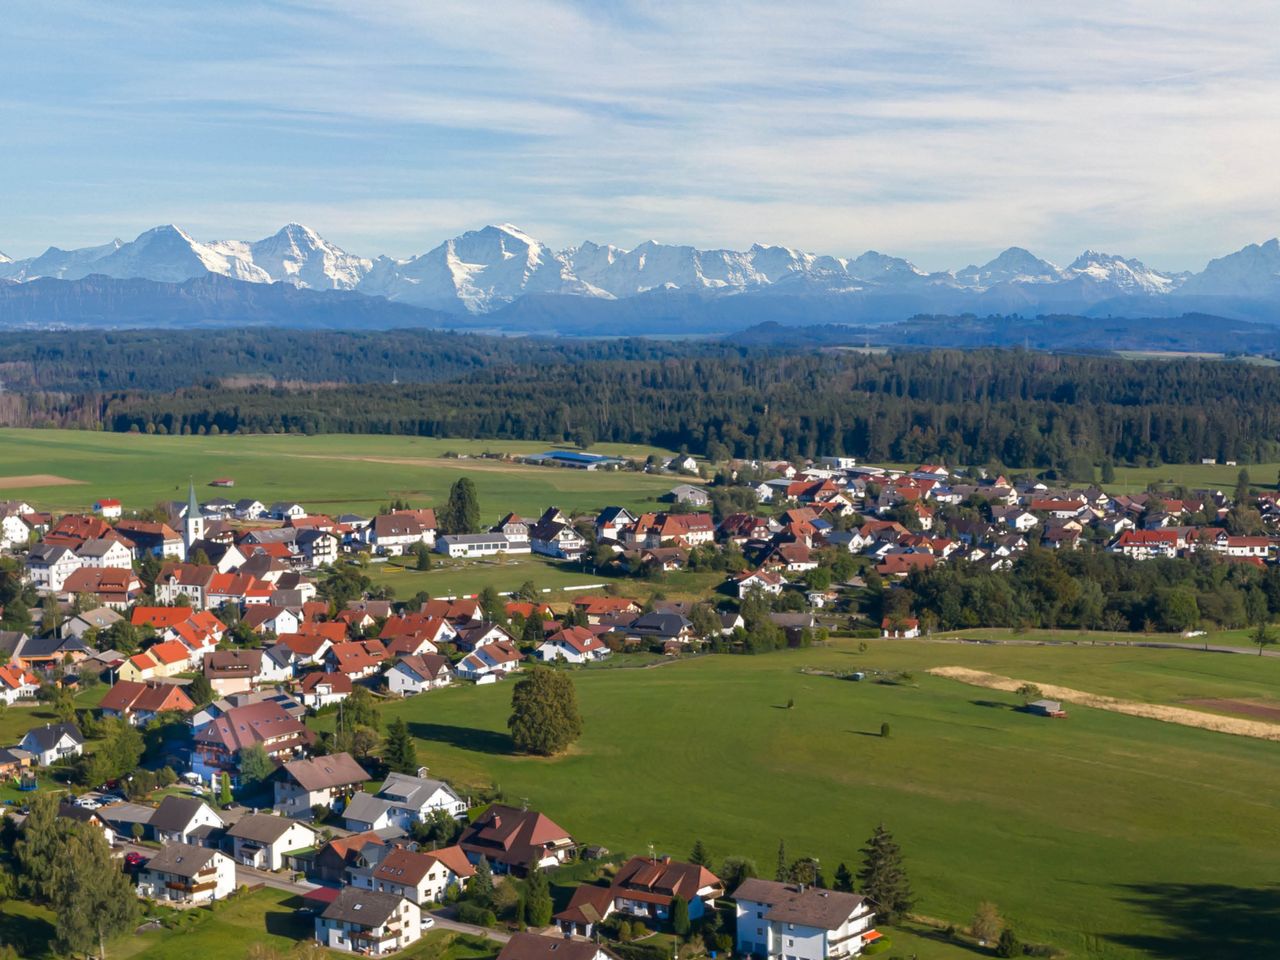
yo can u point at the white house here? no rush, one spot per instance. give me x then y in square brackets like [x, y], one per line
[369, 922]
[14, 531]
[183, 872]
[489, 663]
[53, 742]
[573, 645]
[403, 801]
[760, 579]
[421, 877]
[285, 510]
[49, 565]
[182, 819]
[262, 841]
[418, 672]
[102, 553]
[783, 921]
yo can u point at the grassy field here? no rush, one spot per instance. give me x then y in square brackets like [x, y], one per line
[460, 577]
[264, 916]
[1194, 476]
[1105, 835]
[330, 474]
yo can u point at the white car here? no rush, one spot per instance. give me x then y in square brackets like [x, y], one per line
[88, 803]
[428, 921]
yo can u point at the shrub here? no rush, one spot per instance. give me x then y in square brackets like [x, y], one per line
[476, 916]
[884, 730]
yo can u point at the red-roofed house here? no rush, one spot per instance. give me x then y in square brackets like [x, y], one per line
[573, 645]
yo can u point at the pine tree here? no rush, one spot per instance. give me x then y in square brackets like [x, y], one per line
[480, 889]
[680, 916]
[537, 899]
[37, 849]
[93, 898]
[224, 792]
[844, 879]
[882, 878]
[461, 513]
[783, 873]
[400, 753]
[699, 856]
[544, 712]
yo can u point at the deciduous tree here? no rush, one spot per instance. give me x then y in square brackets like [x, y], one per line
[544, 712]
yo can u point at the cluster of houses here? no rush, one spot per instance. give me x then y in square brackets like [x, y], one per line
[374, 885]
[907, 520]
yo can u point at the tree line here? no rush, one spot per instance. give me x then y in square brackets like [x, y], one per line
[1014, 408]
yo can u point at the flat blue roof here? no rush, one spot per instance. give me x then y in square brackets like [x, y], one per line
[572, 456]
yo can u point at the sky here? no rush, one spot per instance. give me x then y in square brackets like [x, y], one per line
[942, 132]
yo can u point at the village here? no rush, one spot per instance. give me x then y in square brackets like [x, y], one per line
[245, 640]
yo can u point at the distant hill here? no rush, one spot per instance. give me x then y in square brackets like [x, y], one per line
[1189, 333]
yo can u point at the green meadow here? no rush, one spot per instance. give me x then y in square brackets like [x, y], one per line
[1104, 835]
[330, 474]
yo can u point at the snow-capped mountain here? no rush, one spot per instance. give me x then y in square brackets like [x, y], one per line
[476, 272]
[1121, 275]
[1015, 265]
[491, 269]
[1251, 271]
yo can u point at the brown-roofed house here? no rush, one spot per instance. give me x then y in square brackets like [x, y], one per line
[320, 781]
[515, 841]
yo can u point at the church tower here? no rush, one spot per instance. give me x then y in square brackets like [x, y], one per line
[193, 522]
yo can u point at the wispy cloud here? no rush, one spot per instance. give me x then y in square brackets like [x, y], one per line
[941, 134]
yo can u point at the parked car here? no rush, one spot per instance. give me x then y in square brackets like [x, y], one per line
[134, 861]
[428, 921]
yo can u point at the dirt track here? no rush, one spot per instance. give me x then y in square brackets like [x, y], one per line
[37, 480]
[1134, 708]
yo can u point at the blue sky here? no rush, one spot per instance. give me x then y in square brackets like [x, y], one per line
[943, 134]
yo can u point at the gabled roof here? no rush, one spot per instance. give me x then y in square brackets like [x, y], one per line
[803, 906]
[146, 697]
[262, 827]
[427, 666]
[364, 908]
[322, 773]
[181, 859]
[512, 836]
[175, 814]
[533, 946]
[47, 737]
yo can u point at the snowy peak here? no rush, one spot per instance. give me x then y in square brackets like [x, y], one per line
[1127, 276]
[298, 255]
[483, 270]
[1014, 265]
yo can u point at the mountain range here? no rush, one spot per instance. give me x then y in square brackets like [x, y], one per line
[500, 276]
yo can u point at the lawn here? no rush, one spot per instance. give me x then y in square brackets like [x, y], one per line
[265, 916]
[330, 474]
[1105, 835]
[461, 577]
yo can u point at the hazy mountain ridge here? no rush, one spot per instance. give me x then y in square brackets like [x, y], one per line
[501, 276]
